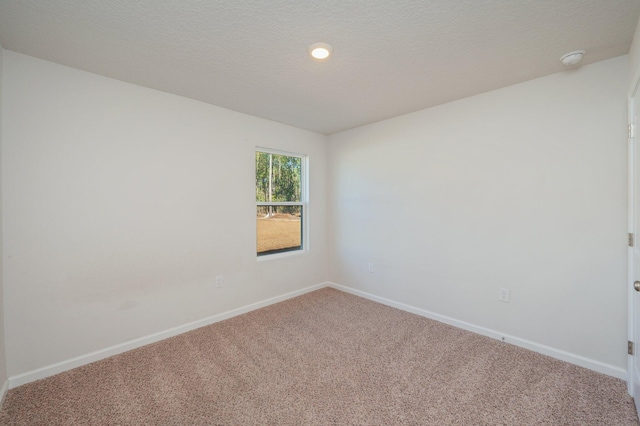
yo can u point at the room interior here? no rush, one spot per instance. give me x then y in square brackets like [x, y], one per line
[451, 155]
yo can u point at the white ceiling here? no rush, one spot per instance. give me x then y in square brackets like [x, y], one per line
[390, 57]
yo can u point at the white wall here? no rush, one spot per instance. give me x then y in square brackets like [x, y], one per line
[123, 203]
[522, 188]
[3, 362]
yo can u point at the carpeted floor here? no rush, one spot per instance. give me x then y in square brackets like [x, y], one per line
[324, 358]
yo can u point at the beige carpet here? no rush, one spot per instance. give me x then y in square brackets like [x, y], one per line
[324, 358]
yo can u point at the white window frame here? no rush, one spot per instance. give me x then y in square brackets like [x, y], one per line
[303, 203]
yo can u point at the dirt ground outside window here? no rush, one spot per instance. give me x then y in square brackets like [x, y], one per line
[281, 231]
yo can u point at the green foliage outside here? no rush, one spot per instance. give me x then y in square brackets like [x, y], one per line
[278, 180]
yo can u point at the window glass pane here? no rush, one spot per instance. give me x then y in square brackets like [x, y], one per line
[286, 178]
[279, 229]
[278, 178]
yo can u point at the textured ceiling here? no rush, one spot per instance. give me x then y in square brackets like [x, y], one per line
[390, 57]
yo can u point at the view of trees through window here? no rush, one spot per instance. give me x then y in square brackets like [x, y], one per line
[279, 210]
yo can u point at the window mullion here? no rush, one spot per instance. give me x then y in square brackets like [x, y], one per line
[282, 203]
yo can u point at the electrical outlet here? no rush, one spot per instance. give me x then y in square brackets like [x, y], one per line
[219, 281]
[370, 267]
[503, 295]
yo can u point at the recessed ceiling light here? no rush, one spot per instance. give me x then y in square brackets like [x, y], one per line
[572, 58]
[320, 50]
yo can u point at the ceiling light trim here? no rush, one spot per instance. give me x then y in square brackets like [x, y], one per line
[320, 51]
[572, 58]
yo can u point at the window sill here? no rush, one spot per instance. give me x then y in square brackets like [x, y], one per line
[280, 255]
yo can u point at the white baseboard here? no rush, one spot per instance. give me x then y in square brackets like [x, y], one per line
[60, 367]
[581, 361]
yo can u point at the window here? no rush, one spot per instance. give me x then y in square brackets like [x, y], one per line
[279, 202]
